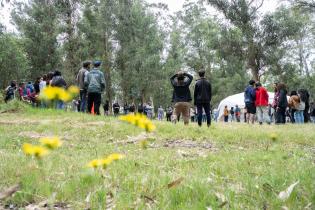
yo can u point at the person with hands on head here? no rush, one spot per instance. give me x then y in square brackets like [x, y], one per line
[181, 95]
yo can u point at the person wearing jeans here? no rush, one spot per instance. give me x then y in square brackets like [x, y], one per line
[299, 116]
[202, 98]
[261, 103]
[296, 103]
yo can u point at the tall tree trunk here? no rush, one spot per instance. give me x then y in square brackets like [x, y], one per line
[71, 61]
[252, 60]
[107, 65]
[301, 63]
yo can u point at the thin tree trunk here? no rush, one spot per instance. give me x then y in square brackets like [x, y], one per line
[252, 61]
[108, 71]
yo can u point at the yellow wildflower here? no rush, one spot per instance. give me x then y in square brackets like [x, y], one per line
[36, 151]
[144, 144]
[50, 93]
[63, 95]
[95, 163]
[74, 90]
[115, 156]
[51, 142]
[273, 137]
[140, 121]
[106, 162]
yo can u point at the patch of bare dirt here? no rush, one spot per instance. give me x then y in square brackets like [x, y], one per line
[28, 122]
[96, 123]
[188, 144]
[36, 135]
[10, 111]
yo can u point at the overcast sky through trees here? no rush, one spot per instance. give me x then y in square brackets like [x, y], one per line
[173, 5]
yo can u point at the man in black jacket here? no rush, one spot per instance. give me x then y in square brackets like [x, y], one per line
[181, 95]
[202, 97]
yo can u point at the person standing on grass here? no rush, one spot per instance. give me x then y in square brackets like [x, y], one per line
[10, 92]
[237, 113]
[95, 84]
[305, 96]
[261, 103]
[36, 85]
[132, 108]
[312, 105]
[80, 82]
[281, 104]
[181, 95]
[58, 81]
[169, 112]
[293, 100]
[43, 83]
[140, 108]
[232, 113]
[126, 109]
[296, 104]
[106, 108]
[202, 98]
[149, 110]
[116, 109]
[160, 113]
[226, 114]
[250, 97]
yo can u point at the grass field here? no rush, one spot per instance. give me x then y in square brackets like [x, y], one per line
[229, 166]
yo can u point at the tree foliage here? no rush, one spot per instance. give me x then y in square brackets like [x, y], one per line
[142, 45]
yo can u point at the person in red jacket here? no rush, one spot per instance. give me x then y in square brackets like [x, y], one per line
[261, 103]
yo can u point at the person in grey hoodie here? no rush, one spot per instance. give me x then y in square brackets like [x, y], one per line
[95, 85]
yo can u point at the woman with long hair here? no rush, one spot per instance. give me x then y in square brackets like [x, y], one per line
[281, 103]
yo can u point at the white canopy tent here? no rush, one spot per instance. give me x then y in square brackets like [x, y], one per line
[237, 99]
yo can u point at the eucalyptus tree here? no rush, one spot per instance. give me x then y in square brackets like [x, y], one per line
[37, 22]
[68, 16]
[139, 52]
[13, 62]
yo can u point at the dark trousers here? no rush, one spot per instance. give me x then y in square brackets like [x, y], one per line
[206, 107]
[168, 117]
[280, 116]
[292, 115]
[82, 100]
[94, 98]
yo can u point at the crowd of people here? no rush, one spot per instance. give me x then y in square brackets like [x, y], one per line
[29, 92]
[295, 108]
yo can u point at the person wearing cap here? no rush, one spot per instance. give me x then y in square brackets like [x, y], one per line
[181, 95]
[250, 98]
[95, 85]
[202, 98]
[80, 81]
